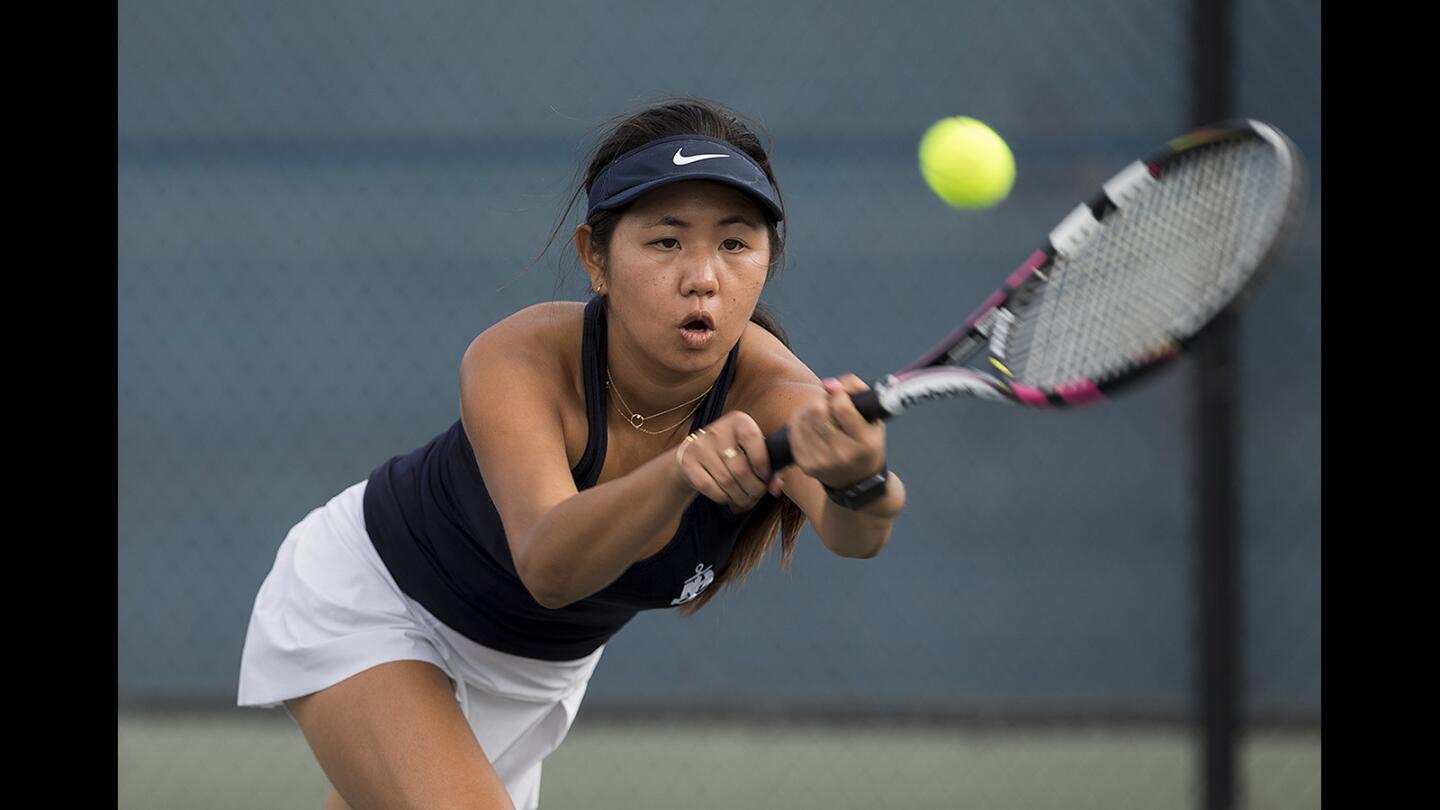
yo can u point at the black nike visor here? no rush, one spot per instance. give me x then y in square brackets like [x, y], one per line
[676, 158]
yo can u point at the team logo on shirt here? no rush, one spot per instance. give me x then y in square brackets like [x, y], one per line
[704, 575]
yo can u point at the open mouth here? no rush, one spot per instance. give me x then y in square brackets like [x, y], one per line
[698, 322]
[697, 329]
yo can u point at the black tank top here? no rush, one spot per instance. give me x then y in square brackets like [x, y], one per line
[433, 524]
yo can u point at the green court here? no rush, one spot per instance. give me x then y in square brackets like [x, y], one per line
[251, 759]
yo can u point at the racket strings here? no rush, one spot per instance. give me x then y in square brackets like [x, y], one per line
[1158, 270]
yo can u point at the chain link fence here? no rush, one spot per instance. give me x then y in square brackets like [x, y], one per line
[321, 203]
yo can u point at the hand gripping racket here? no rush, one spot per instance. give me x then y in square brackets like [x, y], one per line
[1121, 285]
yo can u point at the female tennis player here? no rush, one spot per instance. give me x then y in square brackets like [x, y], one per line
[432, 629]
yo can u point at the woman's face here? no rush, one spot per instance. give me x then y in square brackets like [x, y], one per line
[684, 249]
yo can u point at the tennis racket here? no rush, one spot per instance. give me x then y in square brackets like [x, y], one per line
[1121, 285]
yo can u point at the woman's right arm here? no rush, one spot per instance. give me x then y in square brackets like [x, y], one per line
[566, 544]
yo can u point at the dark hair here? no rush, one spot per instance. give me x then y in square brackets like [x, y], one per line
[698, 116]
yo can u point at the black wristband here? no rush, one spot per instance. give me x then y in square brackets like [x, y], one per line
[861, 492]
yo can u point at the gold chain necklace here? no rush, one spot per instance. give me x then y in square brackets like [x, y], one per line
[638, 422]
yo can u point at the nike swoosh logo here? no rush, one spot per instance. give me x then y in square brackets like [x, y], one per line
[681, 160]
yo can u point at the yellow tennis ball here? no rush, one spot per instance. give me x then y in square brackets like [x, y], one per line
[966, 163]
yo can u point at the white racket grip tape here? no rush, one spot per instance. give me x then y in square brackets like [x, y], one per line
[941, 383]
[887, 395]
[1070, 236]
[1129, 183]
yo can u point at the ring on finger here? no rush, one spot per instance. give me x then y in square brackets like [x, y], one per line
[729, 453]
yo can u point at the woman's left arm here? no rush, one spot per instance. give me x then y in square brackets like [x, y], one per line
[834, 445]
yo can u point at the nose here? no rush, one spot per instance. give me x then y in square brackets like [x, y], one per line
[700, 277]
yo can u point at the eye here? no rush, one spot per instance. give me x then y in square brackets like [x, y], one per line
[662, 242]
[733, 245]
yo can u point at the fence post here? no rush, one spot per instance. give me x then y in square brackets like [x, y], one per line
[1216, 518]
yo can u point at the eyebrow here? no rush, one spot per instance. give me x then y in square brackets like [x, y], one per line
[680, 223]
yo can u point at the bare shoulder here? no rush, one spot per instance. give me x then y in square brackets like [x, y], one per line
[537, 328]
[775, 381]
[543, 337]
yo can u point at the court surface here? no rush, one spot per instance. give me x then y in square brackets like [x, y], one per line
[250, 758]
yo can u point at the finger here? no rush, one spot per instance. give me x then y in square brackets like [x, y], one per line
[864, 445]
[735, 489]
[849, 383]
[777, 485]
[750, 441]
[701, 480]
[800, 439]
[822, 438]
[834, 389]
[805, 426]
[732, 453]
[843, 411]
[741, 473]
[709, 475]
[706, 486]
[825, 427]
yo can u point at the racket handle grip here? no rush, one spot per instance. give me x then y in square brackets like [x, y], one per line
[777, 444]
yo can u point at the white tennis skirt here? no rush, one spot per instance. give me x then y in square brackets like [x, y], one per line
[329, 609]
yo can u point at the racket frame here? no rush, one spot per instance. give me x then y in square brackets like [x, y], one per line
[936, 373]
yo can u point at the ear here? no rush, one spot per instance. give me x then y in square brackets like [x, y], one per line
[592, 259]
